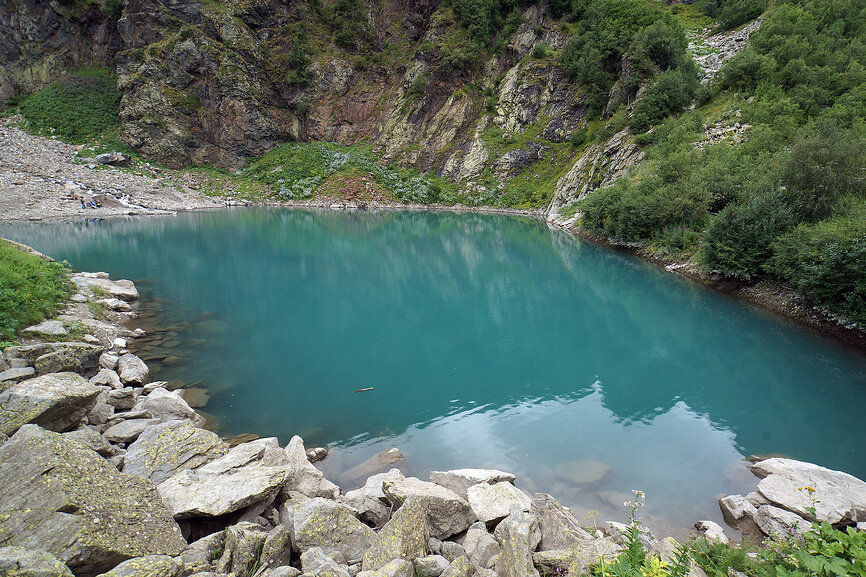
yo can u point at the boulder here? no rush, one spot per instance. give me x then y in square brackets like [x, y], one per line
[447, 513]
[559, 527]
[57, 402]
[451, 550]
[405, 536]
[284, 571]
[430, 566]
[92, 440]
[106, 377]
[773, 520]
[576, 560]
[243, 546]
[515, 536]
[122, 289]
[459, 480]
[206, 493]
[76, 357]
[53, 328]
[108, 361]
[370, 500]
[62, 497]
[459, 567]
[712, 531]
[316, 562]
[480, 546]
[395, 568]
[123, 399]
[30, 353]
[21, 562]
[127, 431]
[165, 449]
[838, 498]
[302, 475]
[491, 502]
[150, 566]
[198, 555]
[102, 412]
[277, 549]
[11, 377]
[735, 508]
[168, 406]
[291, 501]
[331, 526]
[132, 370]
[116, 305]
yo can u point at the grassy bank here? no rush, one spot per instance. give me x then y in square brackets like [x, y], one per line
[31, 289]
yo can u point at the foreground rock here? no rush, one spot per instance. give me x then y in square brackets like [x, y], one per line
[323, 523]
[59, 496]
[447, 513]
[786, 492]
[516, 535]
[405, 536]
[559, 527]
[56, 401]
[21, 562]
[163, 450]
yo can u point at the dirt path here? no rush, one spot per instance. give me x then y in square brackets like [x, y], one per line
[40, 179]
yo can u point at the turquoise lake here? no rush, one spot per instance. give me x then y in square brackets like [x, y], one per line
[489, 340]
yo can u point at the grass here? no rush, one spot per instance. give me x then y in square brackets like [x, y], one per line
[79, 107]
[31, 289]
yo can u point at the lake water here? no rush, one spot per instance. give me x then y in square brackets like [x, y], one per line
[489, 341]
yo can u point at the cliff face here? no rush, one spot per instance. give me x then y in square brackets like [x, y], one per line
[207, 81]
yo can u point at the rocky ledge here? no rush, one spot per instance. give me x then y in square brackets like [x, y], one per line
[103, 472]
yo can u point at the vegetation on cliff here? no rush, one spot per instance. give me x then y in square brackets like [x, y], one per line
[787, 202]
[31, 289]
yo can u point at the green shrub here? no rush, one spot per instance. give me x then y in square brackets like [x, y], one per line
[733, 13]
[633, 211]
[827, 261]
[80, 106]
[540, 51]
[738, 240]
[669, 94]
[30, 289]
[579, 137]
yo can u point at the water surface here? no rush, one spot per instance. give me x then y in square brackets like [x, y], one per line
[489, 341]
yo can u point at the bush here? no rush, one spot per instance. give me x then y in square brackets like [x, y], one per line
[827, 261]
[669, 94]
[824, 164]
[80, 106]
[738, 241]
[661, 44]
[30, 289]
[634, 211]
[540, 51]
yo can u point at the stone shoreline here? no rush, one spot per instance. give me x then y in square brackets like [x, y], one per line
[104, 472]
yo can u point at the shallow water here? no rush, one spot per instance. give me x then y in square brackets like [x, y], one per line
[489, 341]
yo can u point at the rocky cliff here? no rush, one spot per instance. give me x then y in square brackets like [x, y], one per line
[213, 82]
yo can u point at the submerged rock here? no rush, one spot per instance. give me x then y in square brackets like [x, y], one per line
[57, 495]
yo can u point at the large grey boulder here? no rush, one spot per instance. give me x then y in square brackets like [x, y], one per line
[51, 328]
[121, 289]
[164, 449]
[838, 497]
[207, 492]
[405, 536]
[316, 562]
[515, 536]
[168, 406]
[323, 523]
[30, 353]
[577, 559]
[480, 546]
[302, 475]
[243, 546]
[559, 527]
[430, 566]
[76, 357]
[21, 562]
[491, 502]
[459, 567]
[92, 440]
[277, 549]
[11, 377]
[127, 431]
[447, 512]
[459, 480]
[150, 566]
[735, 508]
[395, 568]
[197, 556]
[57, 402]
[59, 496]
[132, 370]
[106, 377]
[774, 520]
[370, 501]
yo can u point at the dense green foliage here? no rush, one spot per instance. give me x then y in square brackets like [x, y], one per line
[732, 13]
[80, 106]
[30, 289]
[789, 200]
